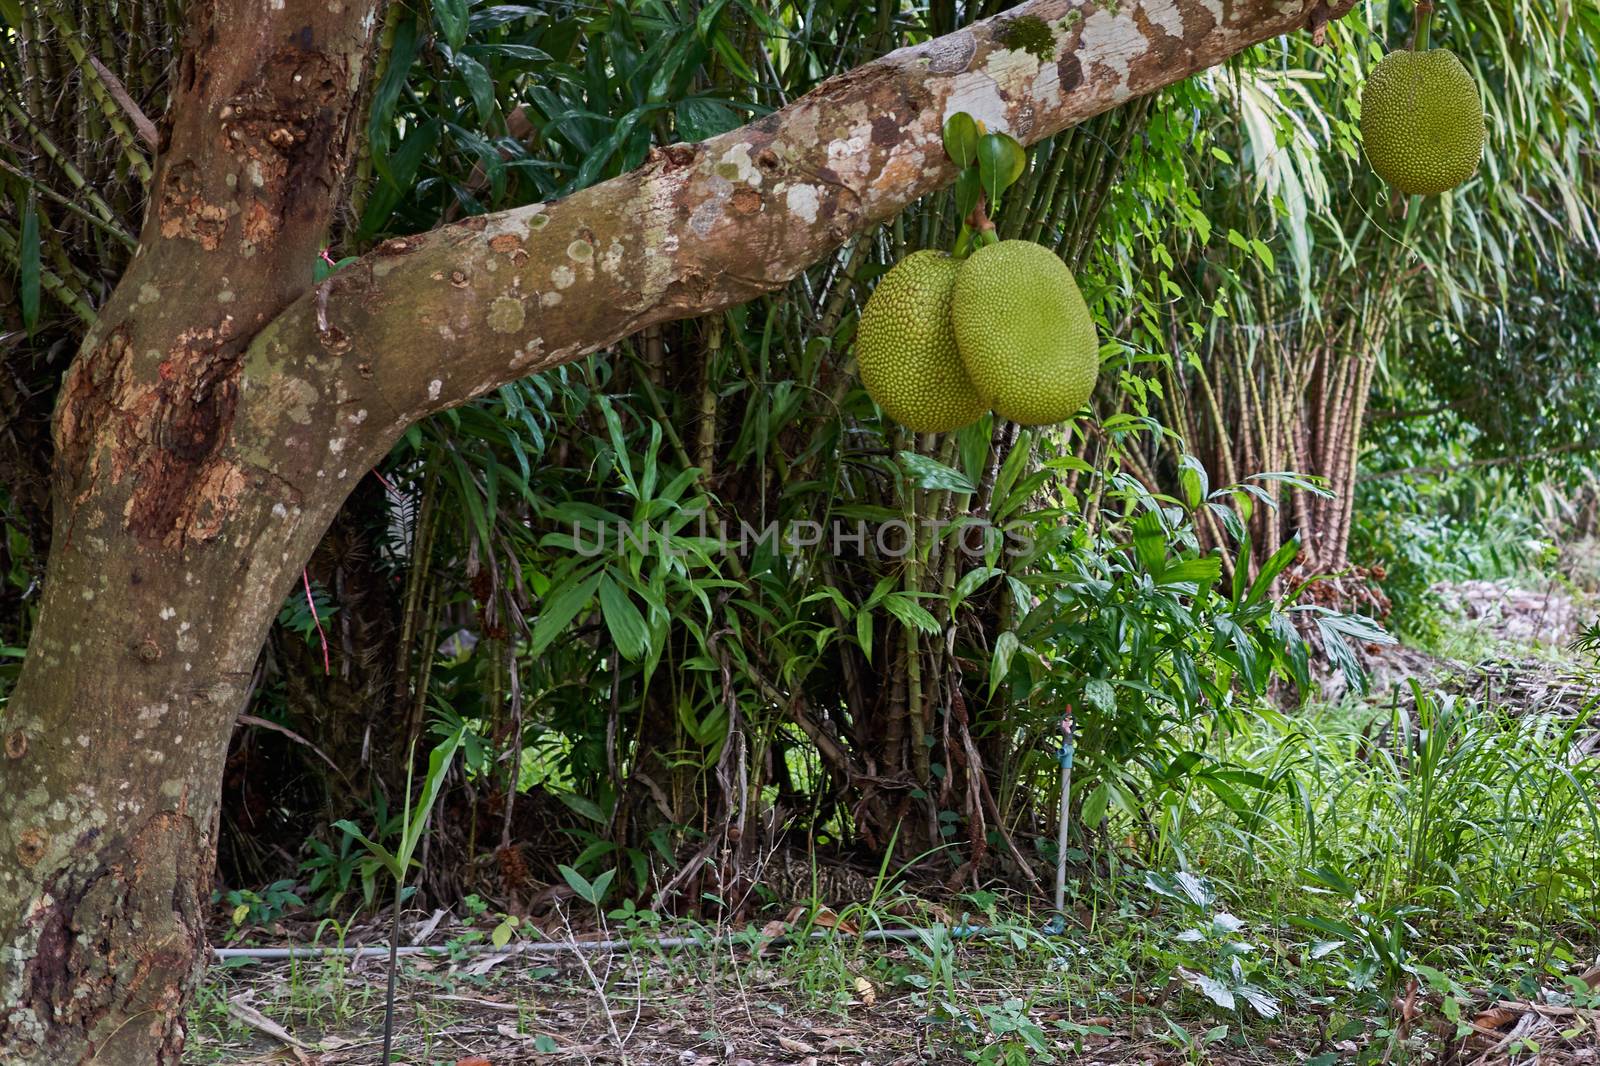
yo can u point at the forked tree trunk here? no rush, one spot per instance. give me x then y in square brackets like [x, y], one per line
[171, 545]
[218, 414]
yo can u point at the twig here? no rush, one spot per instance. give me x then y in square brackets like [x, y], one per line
[261, 1023]
[141, 123]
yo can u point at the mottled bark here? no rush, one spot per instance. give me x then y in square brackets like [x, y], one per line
[218, 413]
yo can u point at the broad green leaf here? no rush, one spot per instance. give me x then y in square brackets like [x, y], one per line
[583, 806]
[1271, 569]
[380, 120]
[1005, 646]
[961, 139]
[500, 15]
[1094, 807]
[971, 581]
[969, 187]
[511, 51]
[1150, 543]
[1001, 162]
[600, 884]
[452, 18]
[577, 882]
[480, 85]
[439, 760]
[379, 852]
[1202, 571]
[1194, 481]
[559, 610]
[910, 612]
[397, 174]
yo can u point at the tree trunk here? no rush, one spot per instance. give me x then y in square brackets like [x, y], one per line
[218, 413]
[174, 541]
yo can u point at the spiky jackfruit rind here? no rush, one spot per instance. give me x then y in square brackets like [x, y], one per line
[1024, 332]
[1422, 121]
[906, 348]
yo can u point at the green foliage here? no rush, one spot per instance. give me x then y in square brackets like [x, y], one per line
[614, 658]
[1211, 955]
[1451, 523]
[249, 907]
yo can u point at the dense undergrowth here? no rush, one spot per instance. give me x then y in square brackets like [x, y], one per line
[1384, 870]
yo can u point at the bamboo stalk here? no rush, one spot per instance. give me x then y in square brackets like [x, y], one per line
[59, 158]
[99, 81]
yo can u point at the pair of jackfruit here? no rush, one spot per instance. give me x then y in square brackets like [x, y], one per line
[1422, 121]
[942, 340]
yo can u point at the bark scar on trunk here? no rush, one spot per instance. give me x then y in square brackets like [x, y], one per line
[118, 939]
[284, 129]
[163, 432]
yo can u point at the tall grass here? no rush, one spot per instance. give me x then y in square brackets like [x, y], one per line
[1410, 832]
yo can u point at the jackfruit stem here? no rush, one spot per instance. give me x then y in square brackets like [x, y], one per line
[976, 230]
[1421, 23]
[978, 221]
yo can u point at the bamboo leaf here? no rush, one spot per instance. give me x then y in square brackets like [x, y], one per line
[1005, 646]
[452, 18]
[559, 610]
[480, 85]
[928, 473]
[623, 620]
[439, 760]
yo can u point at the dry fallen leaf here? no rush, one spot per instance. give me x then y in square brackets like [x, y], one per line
[798, 1047]
[867, 994]
[826, 919]
[475, 1060]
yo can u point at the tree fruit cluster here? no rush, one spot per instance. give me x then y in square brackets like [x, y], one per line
[998, 325]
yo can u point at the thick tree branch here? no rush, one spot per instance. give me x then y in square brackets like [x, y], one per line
[429, 321]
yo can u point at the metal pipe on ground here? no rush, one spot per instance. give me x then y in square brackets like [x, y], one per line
[557, 947]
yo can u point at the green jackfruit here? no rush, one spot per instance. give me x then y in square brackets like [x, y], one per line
[906, 350]
[1024, 332]
[1422, 121]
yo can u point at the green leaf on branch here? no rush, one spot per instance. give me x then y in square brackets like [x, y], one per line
[452, 19]
[1005, 646]
[479, 84]
[910, 613]
[1001, 162]
[379, 852]
[623, 620]
[961, 138]
[969, 188]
